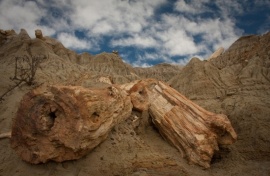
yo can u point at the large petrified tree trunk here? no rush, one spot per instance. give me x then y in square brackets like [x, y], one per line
[194, 131]
[65, 122]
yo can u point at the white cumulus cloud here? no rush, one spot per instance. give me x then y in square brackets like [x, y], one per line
[193, 7]
[190, 28]
[136, 40]
[17, 14]
[71, 41]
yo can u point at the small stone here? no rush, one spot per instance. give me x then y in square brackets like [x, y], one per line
[38, 34]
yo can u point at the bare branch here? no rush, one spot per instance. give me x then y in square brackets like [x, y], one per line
[25, 71]
[9, 90]
[26, 67]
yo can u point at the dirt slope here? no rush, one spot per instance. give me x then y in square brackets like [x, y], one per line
[236, 83]
[163, 71]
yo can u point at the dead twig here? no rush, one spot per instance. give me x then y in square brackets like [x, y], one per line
[26, 67]
[24, 71]
[9, 90]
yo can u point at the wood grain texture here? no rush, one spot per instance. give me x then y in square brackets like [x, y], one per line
[66, 122]
[194, 131]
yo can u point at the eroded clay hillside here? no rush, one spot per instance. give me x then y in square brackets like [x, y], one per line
[236, 83]
[163, 71]
[112, 65]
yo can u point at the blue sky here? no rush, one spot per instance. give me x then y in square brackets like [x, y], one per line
[145, 32]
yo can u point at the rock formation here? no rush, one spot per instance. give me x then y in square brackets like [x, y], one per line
[163, 71]
[236, 83]
[194, 131]
[110, 64]
[5, 35]
[60, 65]
[84, 58]
[64, 123]
[39, 34]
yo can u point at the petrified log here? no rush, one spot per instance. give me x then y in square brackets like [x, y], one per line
[65, 123]
[194, 131]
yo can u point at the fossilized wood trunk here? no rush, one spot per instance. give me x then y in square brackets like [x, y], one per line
[64, 122]
[194, 131]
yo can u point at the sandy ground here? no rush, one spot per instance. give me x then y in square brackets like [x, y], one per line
[130, 149]
[128, 153]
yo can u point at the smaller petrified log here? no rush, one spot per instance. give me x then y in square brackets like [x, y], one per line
[194, 131]
[65, 122]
